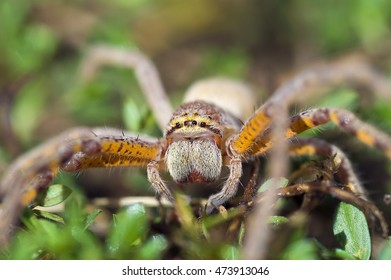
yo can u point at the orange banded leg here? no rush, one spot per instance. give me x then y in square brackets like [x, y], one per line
[48, 157]
[79, 149]
[72, 150]
[124, 151]
[342, 118]
[341, 166]
[251, 130]
[115, 151]
[36, 170]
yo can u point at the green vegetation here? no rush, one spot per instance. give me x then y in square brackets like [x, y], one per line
[42, 44]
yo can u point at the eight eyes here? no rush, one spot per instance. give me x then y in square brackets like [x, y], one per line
[193, 122]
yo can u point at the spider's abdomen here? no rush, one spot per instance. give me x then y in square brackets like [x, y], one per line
[190, 161]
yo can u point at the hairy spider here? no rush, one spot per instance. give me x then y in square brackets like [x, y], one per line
[213, 128]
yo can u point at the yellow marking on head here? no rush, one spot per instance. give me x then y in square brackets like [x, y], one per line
[365, 138]
[304, 150]
[29, 196]
[196, 118]
[190, 129]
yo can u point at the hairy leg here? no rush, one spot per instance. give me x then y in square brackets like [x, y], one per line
[145, 71]
[72, 150]
[341, 166]
[230, 187]
[306, 84]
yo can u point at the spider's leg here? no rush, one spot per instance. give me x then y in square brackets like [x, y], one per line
[72, 150]
[123, 150]
[341, 164]
[46, 158]
[368, 208]
[157, 182]
[344, 119]
[230, 187]
[300, 88]
[35, 170]
[145, 72]
[251, 187]
[242, 142]
[115, 151]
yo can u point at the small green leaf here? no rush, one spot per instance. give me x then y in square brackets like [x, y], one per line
[48, 216]
[277, 220]
[53, 195]
[91, 217]
[351, 231]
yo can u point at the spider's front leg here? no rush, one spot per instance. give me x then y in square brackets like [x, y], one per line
[72, 150]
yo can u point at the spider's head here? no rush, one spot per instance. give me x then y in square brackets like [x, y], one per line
[194, 144]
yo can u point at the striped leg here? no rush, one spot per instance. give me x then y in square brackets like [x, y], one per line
[317, 117]
[341, 167]
[339, 181]
[77, 149]
[72, 150]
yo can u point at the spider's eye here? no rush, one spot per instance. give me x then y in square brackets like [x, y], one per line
[203, 124]
[186, 123]
[177, 125]
[194, 122]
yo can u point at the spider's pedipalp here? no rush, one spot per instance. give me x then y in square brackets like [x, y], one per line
[157, 182]
[230, 187]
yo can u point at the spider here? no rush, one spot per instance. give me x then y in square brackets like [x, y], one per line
[214, 127]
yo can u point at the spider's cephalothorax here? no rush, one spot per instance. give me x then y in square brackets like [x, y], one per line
[194, 142]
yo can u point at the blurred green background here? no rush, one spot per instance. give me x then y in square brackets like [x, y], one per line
[42, 44]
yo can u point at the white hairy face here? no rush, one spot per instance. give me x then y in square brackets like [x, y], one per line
[194, 161]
